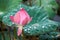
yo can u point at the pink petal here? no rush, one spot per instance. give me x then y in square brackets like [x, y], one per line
[12, 18]
[25, 21]
[25, 18]
[19, 32]
[17, 18]
[22, 9]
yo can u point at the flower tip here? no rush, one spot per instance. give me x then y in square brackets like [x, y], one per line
[22, 9]
[19, 32]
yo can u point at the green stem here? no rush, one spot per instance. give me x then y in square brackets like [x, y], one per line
[15, 33]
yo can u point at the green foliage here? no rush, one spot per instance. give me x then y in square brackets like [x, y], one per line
[49, 36]
[44, 3]
[51, 13]
[13, 3]
[49, 5]
[36, 2]
[8, 4]
[3, 4]
[1, 15]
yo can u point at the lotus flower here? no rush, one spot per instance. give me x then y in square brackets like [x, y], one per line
[21, 18]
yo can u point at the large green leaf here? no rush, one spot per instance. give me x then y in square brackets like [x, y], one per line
[40, 23]
[40, 27]
[49, 5]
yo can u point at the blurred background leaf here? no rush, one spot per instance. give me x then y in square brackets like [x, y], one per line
[8, 4]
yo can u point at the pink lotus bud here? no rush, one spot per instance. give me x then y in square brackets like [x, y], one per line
[21, 18]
